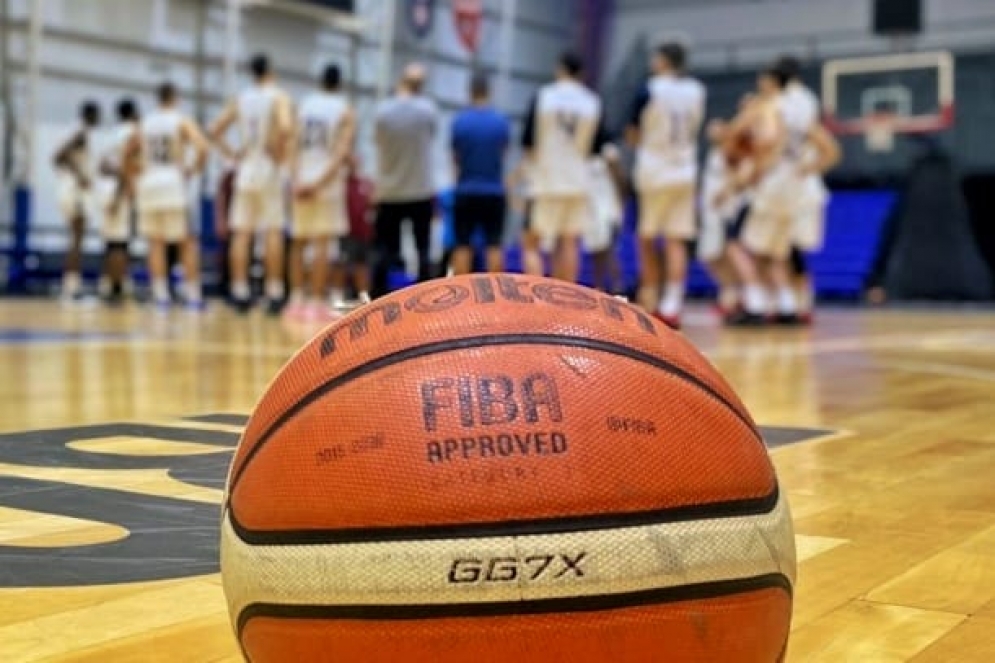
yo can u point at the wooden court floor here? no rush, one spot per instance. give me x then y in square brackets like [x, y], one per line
[883, 424]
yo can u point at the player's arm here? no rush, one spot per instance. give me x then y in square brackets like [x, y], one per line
[284, 124]
[827, 148]
[635, 116]
[216, 132]
[63, 158]
[193, 137]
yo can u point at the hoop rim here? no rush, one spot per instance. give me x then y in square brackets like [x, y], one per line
[905, 124]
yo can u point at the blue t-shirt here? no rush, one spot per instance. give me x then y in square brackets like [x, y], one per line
[479, 138]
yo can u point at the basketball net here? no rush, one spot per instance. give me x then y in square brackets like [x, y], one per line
[879, 132]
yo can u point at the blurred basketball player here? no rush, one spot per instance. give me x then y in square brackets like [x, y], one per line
[118, 200]
[721, 202]
[264, 117]
[325, 130]
[72, 161]
[664, 125]
[606, 219]
[163, 139]
[801, 114]
[519, 187]
[354, 256]
[563, 129]
[780, 172]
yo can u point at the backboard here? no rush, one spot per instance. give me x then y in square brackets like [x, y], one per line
[882, 95]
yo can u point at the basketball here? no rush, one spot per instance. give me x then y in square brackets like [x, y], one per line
[501, 468]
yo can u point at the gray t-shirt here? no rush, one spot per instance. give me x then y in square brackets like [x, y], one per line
[405, 130]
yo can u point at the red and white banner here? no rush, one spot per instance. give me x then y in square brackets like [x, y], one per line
[468, 15]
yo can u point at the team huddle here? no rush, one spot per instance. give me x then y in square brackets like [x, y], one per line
[756, 210]
[752, 212]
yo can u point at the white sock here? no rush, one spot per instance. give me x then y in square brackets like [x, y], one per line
[672, 300]
[193, 292]
[337, 296]
[274, 289]
[160, 290]
[240, 290]
[786, 301]
[364, 297]
[71, 283]
[728, 297]
[755, 299]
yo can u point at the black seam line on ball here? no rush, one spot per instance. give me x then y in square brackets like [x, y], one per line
[572, 604]
[753, 506]
[490, 340]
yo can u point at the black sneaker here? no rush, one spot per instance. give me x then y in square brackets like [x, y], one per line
[241, 306]
[274, 307]
[743, 318]
[788, 320]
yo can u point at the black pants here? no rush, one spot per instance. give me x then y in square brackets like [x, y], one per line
[390, 216]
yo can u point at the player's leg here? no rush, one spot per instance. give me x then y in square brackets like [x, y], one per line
[748, 238]
[465, 209]
[779, 271]
[152, 228]
[801, 281]
[244, 216]
[357, 258]
[574, 216]
[648, 230]
[387, 239]
[532, 262]
[320, 250]
[188, 240]
[421, 214]
[274, 249]
[678, 215]
[301, 230]
[72, 273]
[492, 214]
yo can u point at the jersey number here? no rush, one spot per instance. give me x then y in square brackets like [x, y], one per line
[314, 134]
[681, 130]
[567, 122]
[159, 149]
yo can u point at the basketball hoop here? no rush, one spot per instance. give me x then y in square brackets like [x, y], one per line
[879, 132]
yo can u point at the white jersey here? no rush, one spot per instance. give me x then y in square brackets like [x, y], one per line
[604, 196]
[257, 108]
[120, 136]
[162, 184]
[319, 123]
[668, 113]
[563, 132]
[800, 111]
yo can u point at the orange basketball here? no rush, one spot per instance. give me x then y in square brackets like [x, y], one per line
[504, 469]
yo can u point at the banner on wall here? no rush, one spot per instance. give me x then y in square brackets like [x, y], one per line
[468, 15]
[421, 16]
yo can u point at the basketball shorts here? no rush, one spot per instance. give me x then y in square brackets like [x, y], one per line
[354, 250]
[166, 224]
[600, 232]
[73, 199]
[770, 227]
[810, 223]
[259, 197]
[257, 209]
[116, 226]
[319, 217]
[478, 213]
[554, 217]
[667, 212]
